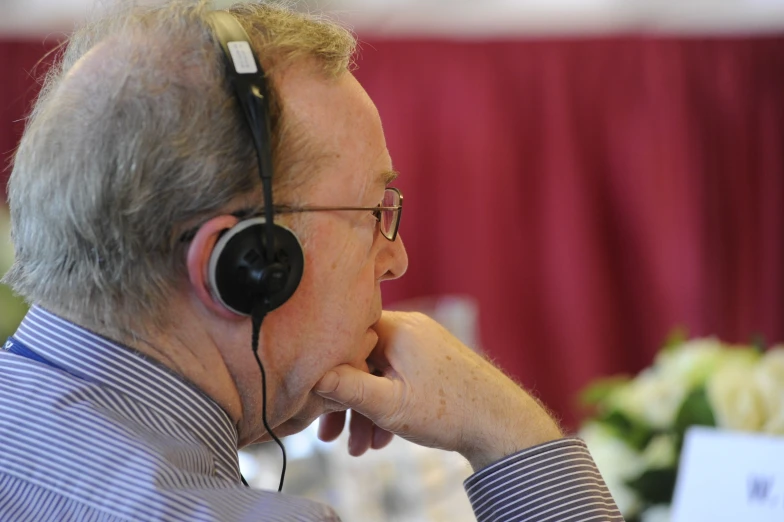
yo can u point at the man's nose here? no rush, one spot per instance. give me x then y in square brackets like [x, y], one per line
[392, 260]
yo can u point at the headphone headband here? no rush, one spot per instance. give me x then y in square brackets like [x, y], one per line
[257, 265]
[247, 77]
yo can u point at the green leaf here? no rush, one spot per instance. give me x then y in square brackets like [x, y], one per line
[678, 336]
[695, 410]
[598, 391]
[635, 433]
[12, 311]
[758, 343]
[655, 486]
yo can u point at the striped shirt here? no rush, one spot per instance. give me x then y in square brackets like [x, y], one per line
[93, 431]
[554, 482]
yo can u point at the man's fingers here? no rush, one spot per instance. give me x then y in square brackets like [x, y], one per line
[381, 438]
[331, 425]
[368, 394]
[360, 430]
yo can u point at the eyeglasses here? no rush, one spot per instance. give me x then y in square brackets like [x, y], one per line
[387, 213]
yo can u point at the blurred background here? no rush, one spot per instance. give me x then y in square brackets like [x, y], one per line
[581, 177]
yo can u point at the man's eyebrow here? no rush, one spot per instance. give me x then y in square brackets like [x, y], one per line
[388, 176]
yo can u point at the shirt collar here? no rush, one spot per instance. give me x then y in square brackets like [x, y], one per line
[93, 358]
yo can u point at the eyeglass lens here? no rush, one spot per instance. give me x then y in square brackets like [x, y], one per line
[389, 217]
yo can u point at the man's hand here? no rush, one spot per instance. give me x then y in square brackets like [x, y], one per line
[431, 389]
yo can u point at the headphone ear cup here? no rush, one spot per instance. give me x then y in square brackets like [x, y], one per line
[239, 274]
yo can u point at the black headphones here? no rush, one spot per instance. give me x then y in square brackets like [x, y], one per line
[256, 265]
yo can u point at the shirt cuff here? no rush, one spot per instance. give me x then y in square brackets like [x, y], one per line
[555, 481]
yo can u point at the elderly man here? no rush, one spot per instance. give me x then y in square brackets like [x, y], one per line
[134, 379]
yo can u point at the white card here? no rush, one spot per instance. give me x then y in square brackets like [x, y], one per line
[730, 476]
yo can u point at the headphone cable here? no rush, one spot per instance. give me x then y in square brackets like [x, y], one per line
[257, 316]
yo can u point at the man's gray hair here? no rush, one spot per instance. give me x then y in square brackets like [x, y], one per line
[135, 138]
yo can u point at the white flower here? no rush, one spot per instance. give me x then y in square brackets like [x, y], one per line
[769, 380]
[660, 452]
[735, 398]
[691, 362]
[774, 360]
[653, 397]
[658, 513]
[695, 361]
[617, 463]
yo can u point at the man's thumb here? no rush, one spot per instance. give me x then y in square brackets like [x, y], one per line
[355, 389]
[328, 384]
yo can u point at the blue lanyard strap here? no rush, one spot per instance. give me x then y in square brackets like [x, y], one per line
[12, 345]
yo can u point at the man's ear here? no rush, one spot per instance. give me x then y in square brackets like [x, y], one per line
[198, 260]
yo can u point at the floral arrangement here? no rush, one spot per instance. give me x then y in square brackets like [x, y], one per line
[638, 426]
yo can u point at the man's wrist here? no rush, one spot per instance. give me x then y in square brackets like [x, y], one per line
[507, 438]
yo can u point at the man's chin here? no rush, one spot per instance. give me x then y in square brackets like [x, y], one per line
[314, 408]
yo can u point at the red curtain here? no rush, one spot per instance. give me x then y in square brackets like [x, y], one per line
[22, 64]
[591, 194]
